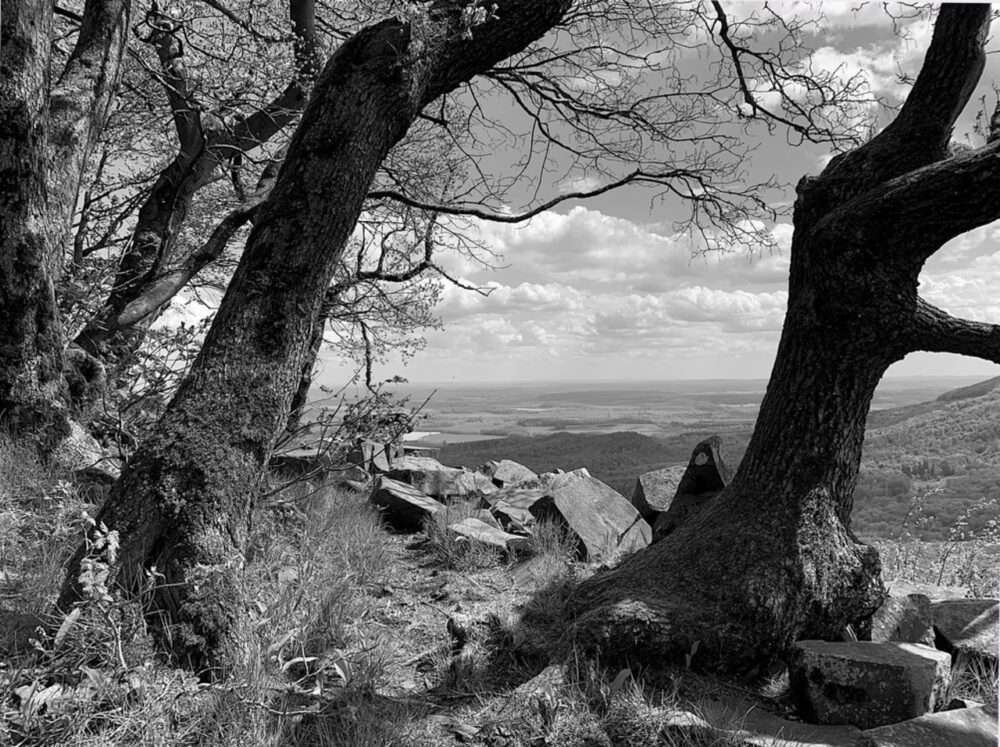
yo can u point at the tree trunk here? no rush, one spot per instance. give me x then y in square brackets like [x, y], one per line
[184, 500]
[772, 559]
[30, 336]
[47, 132]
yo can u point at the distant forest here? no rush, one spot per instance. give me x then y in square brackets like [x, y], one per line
[931, 470]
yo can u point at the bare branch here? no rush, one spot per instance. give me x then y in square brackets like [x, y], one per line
[937, 331]
[635, 176]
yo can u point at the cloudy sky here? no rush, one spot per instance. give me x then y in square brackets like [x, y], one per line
[607, 290]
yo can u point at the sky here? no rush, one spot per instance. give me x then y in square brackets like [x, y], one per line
[608, 290]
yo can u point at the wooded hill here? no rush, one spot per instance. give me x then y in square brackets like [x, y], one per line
[945, 453]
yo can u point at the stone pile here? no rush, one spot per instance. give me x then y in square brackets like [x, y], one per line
[509, 502]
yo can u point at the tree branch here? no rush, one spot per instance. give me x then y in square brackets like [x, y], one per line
[635, 176]
[921, 210]
[937, 331]
[920, 133]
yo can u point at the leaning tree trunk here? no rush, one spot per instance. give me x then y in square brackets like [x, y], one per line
[184, 500]
[772, 559]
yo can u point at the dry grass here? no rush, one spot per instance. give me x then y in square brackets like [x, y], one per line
[345, 643]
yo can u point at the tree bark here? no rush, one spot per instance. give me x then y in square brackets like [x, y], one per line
[47, 131]
[772, 559]
[184, 500]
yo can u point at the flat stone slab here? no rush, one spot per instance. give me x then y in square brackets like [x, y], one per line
[966, 727]
[906, 619]
[866, 684]
[403, 506]
[968, 626]
[477, 530]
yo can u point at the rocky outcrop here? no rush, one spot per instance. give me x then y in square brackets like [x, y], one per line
[866, 684]
[704, 478]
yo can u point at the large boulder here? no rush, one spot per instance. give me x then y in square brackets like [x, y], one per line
[905, 619]
[704, 478]
[403, 506]
[966, 727]
[429, 476]
[603, 521]
[655, 490]
[968, 627]
[507, 473]
[866, 684]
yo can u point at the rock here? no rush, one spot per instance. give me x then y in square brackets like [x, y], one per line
[934, 592]
[655, 490]
[904, 619]
[747, 723]
[512, 506]
[603, 521]
[372, 456]
[80, 452]
[484, 515]
[866, 684]
[704, 477]
[403, 506]
[435, 479]
[969, 727]
[606, 523]
[507, 473]
[546, 683]
[479, 531]
[968, 627]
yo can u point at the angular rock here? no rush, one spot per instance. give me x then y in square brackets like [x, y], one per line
[507, 473]
[866, 684]
[479, 531]
[655, 490]
[968, 627]
[904, 619]
[512, 506]
[968, 727]
[439, 481]
[704, 478]
[606, 523]
[403, 506]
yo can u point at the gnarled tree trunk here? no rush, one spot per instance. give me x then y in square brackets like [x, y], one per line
[772, 559]
[183, 502]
